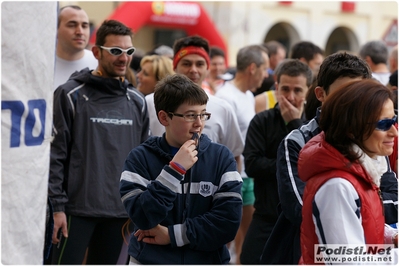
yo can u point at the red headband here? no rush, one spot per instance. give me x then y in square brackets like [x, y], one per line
[190, 50]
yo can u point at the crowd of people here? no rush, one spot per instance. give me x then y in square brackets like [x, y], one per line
[172, 159]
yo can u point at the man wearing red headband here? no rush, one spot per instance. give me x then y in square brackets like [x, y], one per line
[192, 60]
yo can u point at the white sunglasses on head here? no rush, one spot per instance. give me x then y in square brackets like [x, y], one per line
[116, 51]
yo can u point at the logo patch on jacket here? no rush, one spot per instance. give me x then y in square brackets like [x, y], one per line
[206, 189]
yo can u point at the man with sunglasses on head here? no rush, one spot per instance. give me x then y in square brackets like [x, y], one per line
[98, 118]
[73, 33]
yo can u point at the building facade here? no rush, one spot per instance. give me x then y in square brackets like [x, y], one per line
[332, 25]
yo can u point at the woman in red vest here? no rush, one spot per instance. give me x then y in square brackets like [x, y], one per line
[342, 167]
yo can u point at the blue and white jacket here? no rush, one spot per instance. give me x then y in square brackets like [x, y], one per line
[202, 209]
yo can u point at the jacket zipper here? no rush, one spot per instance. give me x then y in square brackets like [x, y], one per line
[187, 196]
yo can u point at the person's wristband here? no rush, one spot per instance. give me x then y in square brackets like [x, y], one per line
[178, 168]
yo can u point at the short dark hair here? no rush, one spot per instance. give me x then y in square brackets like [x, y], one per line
[306, 50]
[376, 50]
[216, 51]
[349, 114]
[64, 7]
[248, 55]
[175, 90]
[196, 41]
[312, 103]
[111, 27]
[340, 65]
[294, 68]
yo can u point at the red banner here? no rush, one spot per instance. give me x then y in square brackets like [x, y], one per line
[188, 16]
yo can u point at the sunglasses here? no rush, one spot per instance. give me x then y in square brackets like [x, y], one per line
[386, 124]
[116, 51]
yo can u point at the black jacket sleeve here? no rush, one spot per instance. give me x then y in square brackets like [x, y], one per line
[290, 186]
[389, 191]
[257, 163]
[63, 114]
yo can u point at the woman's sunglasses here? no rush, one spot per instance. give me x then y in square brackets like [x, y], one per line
[116, 51]
[386, 124]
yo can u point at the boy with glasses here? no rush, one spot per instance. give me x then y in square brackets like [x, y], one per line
[181, 190]
[98, 118]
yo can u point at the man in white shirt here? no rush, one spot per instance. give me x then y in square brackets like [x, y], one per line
[252, 64]
[375, 53]
[73, 33]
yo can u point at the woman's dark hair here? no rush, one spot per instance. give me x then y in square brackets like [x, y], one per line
[350, 113]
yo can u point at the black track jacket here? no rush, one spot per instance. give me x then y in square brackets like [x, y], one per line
[97, 122]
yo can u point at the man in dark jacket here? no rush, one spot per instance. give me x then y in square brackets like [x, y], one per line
[265, 132]
[98, 118]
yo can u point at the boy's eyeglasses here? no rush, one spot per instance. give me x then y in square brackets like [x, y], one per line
[193, 117]
[386, 124]
[116, 51]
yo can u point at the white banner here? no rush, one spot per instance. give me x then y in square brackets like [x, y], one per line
[28, 37]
